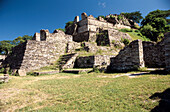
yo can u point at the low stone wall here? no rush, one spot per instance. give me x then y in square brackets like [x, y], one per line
[167, 51]
[91, 61]
[154, 54]
[129, 58]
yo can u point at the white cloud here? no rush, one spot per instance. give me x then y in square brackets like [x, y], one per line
[103, 4]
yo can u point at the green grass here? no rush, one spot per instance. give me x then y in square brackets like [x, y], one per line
[135, 36]
[84, 92]
[1, 74]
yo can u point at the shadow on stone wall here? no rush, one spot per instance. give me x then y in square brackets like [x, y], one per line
[15, 58]
[164, 103]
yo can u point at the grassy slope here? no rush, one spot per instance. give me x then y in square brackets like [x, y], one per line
[135, 36]
[83, 92]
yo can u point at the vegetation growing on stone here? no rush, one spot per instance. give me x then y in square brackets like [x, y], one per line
[135, 16]
[69, 24]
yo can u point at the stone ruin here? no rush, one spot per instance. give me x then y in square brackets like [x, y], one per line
[46, 48]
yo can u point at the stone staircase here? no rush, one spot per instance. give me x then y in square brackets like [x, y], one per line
[67, 61]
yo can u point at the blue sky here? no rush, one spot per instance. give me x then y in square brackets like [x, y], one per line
[25, 17]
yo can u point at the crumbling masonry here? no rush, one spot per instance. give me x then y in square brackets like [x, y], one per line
[46, 48]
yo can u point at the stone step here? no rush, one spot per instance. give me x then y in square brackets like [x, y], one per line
[78, 71]
[46, 72]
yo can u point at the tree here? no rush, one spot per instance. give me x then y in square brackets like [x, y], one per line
[68, 24]
[135, 16]
[20, 39]
[6, 46]
[155, 24]
[156, 14]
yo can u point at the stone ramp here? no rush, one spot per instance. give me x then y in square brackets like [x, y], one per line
[67, 61]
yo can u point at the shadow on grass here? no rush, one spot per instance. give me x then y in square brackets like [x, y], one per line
[158, 72]
[164, 103]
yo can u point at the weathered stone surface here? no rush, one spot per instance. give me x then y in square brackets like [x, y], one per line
[129, 58]
[154, 54]
[2, 58]
[70, 62]
[22, 72]
[87, 28]
[33, 54]
[72, 46]
[92, 61]
[167, 51]
[84, 15]
[76, 19]
[36, 36]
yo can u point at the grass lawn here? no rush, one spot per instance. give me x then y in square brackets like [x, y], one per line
[82, 92]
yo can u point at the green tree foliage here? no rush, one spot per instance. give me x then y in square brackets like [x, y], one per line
[7, 45]
[135, 16]
[156, 14]
[155, 24]
[101, 16]
[61, 29]
[68, 24]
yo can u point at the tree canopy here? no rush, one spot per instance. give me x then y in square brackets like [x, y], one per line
[7, 45]
[155, 24]
[135, 16]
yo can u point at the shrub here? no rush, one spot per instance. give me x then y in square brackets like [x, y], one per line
[61, 29]
[113, 41]
[2, 70]
[119, 17]
[125, 41]
[69, 24]
[102, 17]
[126, 30]
[136, 26]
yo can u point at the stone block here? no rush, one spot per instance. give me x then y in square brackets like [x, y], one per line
[22, 72]
[76, 19]
[83, 15]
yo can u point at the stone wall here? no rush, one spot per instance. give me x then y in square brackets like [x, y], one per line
[2, 58]
[92, 61]
[44, 50]
[72, 46]
[167, 51]
[154, 54]
[14, 59]
[33, 55]
[129, 58]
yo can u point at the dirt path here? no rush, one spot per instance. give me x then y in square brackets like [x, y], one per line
[127, 74]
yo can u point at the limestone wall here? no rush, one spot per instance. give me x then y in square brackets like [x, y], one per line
[33, 54]
[167, 51]
[154, 54]
[14, 60]
[91, 61]
[129, 58]
[2, 58]
[40, 54]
